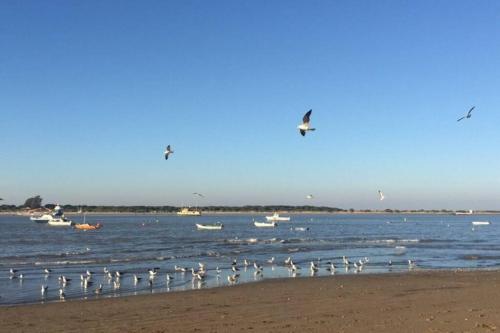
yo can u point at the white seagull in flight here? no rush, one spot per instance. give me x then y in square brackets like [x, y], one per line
[381, 195]
[168, 151]
[304, 127]
[309, 196]
[198, 194]
[468, 115]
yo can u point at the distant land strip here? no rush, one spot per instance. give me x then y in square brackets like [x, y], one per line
[70, 209]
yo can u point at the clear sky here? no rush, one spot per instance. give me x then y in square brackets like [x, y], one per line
[91, 92]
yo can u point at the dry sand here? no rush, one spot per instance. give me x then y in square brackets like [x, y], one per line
[411, 302]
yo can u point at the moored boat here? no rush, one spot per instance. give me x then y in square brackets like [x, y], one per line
[60, 222]
[87, 226]
[469, 212]
[481, 222]
[276, 217]
[265, 224]
[44, 218]
[216, 226]
[58, 219]
[188, 212]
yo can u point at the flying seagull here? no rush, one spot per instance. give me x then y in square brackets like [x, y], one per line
[468, 115]
[304, 127]
[168, 151]
[198, 194]
[309, 196]
[381, 195]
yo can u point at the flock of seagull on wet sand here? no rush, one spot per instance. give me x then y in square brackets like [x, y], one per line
[199, 274]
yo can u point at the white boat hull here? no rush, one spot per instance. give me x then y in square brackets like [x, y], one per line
[265, 224]
[187, 212]
[277, 218]
[60, 223]
[41, 219]
[481, 223]
[209, 227]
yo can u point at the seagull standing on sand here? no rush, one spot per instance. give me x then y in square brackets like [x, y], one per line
[257, 266]
[345, 261]
[86, 283]
[304, 127]
[61, 294]
[168, 151]
[180, 269]
[152, 273]
[468, 115]
[44, 290]
[232, 279]
[98, 290]
[381, 195]
[314, 267]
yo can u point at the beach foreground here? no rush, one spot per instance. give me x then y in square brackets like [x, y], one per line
[410, 302]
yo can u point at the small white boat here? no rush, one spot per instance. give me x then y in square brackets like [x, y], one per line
[469, 212]
[189, 212]
[265, 224]
[44, 218]
[276, 217]
[216, 226]
[481, 223]
[58, 219]
[60, 222]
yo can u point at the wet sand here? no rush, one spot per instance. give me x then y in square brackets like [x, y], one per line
[411, 302]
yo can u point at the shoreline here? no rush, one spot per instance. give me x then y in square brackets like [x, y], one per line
[423, 300]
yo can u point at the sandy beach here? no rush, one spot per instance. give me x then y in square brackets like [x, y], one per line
[411, 302]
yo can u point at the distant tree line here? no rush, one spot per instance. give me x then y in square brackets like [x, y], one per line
[218, 209]
[36, 203]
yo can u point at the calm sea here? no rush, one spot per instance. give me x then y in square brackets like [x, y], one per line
[133, 244]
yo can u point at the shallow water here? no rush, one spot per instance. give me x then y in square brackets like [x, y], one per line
[135, 243]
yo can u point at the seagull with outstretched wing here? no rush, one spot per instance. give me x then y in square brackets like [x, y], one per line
[468, 115]
[168, 151]
[305, 127]
[198, 194]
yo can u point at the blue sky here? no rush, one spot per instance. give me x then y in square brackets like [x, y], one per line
[91, 92]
